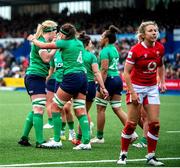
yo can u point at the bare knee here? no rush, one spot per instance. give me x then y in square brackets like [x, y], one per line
[54, 107]
[80, 112]
[39, 110]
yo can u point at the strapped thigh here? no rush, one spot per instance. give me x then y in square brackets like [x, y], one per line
[39, 102]
[115, 103]
[59, 102]
[78, 103]
[101, 102]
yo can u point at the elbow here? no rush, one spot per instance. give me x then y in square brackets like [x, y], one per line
[47, 60]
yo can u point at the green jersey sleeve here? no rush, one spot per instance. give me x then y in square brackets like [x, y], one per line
[62, 44]
[52, 63]
[89, 60]
[111, 54]
[104, 54]
[37, 66]
[94, 59]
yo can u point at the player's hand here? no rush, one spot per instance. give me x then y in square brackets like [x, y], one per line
[104, 92]
[135, 98]
[58, 36]
[162, 87]
[55, 38]
[30, 37]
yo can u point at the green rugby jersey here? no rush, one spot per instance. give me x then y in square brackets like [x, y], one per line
[89, 59]
[110, 53]
[72, 55]
[36, 65]
[57, 63]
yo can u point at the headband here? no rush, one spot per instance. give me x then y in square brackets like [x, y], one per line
[64, 32]
[49, 29]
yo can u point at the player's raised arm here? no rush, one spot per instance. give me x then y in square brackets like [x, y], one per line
[41, 44]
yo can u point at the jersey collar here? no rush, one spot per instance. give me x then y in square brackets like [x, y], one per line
[144, 45]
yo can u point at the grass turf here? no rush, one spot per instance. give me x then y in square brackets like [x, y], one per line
[14, 107]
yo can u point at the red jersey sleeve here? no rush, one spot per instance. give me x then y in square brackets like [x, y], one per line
[131, 57]
[162, 51]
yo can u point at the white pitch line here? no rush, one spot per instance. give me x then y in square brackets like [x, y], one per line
[15, 104]
[173, 131]
[81, 162]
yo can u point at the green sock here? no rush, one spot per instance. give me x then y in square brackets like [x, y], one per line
[143, 140]
[63, 126]
[84, 124]
[50, 121]
[57, 125]
[71, 125]
[78, 136]
[38, 126]
[28, 124]
[99, 134]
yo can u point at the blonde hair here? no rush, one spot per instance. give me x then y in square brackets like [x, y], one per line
[141, 29]
[44, 25]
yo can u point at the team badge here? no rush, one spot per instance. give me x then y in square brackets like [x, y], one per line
[129, 54]
[157, 52]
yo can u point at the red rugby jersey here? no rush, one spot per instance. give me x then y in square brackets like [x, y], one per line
[145, 61]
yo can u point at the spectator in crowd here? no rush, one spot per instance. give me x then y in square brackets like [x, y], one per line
[16, 27]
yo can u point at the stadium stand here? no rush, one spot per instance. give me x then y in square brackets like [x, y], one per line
[16, 54]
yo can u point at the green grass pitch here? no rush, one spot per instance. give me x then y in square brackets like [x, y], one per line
[14, 107]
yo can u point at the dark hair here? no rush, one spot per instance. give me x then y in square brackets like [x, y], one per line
[84, 38]
[69, 30]
[111, 33]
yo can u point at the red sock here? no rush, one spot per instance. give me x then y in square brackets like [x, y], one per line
[125, 144]
[126, 135]
[152, 136]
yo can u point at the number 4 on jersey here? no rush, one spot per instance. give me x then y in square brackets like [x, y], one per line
[79, 59]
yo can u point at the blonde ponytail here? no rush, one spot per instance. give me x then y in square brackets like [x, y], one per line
[39, 31]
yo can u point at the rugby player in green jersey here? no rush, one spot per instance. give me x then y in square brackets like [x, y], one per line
[35, 82]
[74, 83]
[91, 64]
[109, 58]
[53, 81]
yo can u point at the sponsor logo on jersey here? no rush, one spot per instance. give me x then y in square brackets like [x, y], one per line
[151, 68]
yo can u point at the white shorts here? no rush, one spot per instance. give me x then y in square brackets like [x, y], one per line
[147, 94]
